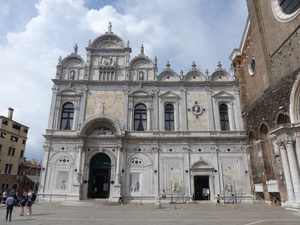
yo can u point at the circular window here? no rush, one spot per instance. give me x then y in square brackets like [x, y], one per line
[285, 10]
[252, 66]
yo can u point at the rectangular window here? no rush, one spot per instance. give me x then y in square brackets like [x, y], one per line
[0, 148]
[16, 126]
[3, 186]
[5, 122]
[11, 151]
[22, 153]
[6, 186]
[13, 138]
[19, 169]
[3, 135]
[8, 168]
[24, 142]
[25, 130]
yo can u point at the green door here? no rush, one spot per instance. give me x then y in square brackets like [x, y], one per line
[99, 179]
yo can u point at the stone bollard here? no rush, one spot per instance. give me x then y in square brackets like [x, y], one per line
[157, 203]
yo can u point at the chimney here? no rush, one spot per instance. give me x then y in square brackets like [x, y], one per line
[10, 113]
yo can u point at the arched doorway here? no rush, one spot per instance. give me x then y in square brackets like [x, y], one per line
[99, 178]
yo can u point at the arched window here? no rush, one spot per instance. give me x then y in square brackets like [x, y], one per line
[283, 119]
[67, 117]
[289, 6]
[140, 118]
[224, 117]
[169, 117]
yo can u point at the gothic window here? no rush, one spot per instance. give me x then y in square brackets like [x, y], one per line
[283, 119]
[140, 118]
[289, 6]
[224, 117]
[67, 117]
[169, 117]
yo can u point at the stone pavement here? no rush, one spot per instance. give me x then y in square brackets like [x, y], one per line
[92, 212]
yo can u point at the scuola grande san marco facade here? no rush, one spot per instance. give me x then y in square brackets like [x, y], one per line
[118, 128]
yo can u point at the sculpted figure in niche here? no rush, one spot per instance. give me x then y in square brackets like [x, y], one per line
[141, 75]
[135, 186]
[176, 188]
[72, 75]
[103, 108]
[228, 187]
[75, 49]
[63, 185]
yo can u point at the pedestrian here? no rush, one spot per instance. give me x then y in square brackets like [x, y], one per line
[29, 203]
[163, 194]
[232, 201]
[10, 202]
[4, 195]
[218, 200]
[23, 202]
[275, 200]
[193, 198]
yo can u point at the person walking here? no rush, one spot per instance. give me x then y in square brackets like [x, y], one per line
[193, 198]
[24, 200]
[232, 201]
[163, 194]
[10, 202]
[4, 195]
[29, 203]
[218, 200]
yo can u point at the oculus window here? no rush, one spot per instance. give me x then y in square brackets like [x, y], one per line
[224, 117]
[140, 118]
[289, 6]
[67, 117]
[169, 117]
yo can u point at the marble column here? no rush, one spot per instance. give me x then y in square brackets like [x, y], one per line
[286, 170]
[118, 166]
[293, 167]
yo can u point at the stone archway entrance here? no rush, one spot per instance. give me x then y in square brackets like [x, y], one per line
[201, 187]
[99, 176]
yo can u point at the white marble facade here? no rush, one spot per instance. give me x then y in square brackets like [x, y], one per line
[105, 91]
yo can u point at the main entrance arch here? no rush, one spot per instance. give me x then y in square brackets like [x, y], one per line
[99, 176]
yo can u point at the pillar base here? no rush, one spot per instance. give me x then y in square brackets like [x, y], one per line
[117, 191]
[291, 205]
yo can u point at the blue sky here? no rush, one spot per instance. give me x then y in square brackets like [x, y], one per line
[34, 33]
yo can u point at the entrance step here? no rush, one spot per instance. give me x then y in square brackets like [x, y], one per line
[92, 202]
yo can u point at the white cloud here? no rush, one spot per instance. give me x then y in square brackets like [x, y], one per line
[179, 31]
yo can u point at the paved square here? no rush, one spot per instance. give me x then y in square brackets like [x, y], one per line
[91, 212]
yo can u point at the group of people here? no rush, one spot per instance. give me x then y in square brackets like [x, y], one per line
[163, 196]
[26, 200]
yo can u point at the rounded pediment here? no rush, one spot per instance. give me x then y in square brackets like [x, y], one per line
[195, 76]
[101, 126]
[167, 76]
[108, 40]
[141, 61]
[201, 164]
[72, 61]
[221, 76]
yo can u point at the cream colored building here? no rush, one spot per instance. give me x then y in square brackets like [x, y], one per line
[13, 137]
[117, 127]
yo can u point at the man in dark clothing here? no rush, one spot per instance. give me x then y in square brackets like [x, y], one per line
[10, 202]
